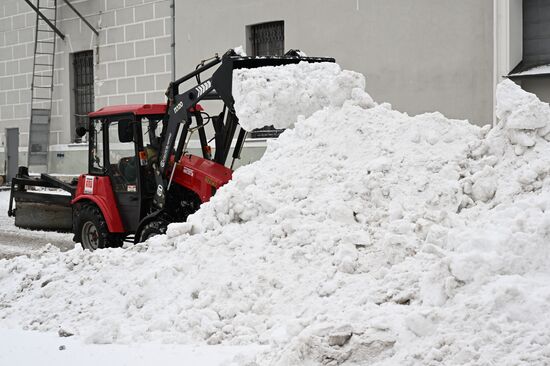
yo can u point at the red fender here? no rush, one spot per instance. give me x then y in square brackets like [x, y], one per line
[98, 189]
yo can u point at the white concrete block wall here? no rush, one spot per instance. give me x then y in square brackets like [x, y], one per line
[131, 60]
[135, 51]
[17, 22]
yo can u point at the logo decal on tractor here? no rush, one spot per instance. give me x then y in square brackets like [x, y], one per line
[201, 89]
[89, 185]
[178, 107]
[166, 152]
[210, 181]
[188, 171]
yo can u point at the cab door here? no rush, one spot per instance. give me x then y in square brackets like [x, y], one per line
[123, 169]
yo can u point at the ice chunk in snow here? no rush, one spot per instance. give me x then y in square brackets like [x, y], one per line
[520, 110]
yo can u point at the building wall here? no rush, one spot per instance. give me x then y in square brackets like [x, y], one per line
[421, 55]
[16, 50]
[131, 64]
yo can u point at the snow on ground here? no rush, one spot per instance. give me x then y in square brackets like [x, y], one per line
[363, 236]
[15, 241]
[33, 348]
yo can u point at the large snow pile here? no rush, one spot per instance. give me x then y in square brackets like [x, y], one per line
[363, 236]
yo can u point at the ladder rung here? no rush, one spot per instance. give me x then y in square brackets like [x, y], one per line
[43, 76]
[45, 30]
[43, 87]
[39, 41]
[41, 98]
[44, 64]
[44, 53]
[45, 7]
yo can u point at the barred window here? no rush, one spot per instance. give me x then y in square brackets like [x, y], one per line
[83, 68]
[268, 39]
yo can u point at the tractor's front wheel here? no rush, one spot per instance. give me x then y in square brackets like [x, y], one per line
[91, 229]
[151, 229]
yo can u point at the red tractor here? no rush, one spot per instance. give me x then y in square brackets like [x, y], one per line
[140, 175]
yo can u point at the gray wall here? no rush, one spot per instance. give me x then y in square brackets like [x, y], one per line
[421, 55]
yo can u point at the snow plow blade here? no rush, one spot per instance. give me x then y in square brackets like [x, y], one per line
[40, 210]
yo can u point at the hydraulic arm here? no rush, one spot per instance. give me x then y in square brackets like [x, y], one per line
[181, 109]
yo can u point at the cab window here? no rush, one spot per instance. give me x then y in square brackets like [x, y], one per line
[122, 157]
[96, 147]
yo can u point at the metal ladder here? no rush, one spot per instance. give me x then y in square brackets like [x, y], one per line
[42, 86]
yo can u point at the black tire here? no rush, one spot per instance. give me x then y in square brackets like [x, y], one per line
[155, 227]
[91, 229]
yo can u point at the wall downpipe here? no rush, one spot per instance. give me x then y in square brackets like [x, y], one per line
[173, 42]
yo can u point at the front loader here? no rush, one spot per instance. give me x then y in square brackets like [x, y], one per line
[141, 176]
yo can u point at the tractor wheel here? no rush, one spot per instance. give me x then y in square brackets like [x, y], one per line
[92, 230]
[151, 229]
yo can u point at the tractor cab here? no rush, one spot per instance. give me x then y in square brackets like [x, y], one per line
[116, 197]
[123, 144]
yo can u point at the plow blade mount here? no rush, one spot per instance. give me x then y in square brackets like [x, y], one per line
[41, 210]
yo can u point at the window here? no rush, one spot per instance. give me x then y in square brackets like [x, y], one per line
[122, 157]
[83, 69]
[267, 39]
[96, 147]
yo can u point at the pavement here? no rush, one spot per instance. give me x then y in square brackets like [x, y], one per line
[15, 241]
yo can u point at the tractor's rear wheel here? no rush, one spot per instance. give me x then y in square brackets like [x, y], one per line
[151, 229]
[92, 230]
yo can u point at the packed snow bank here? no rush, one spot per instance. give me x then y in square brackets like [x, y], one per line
[363, 236]
[278, 95]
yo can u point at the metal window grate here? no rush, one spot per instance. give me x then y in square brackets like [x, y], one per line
[83, 66]
[268, 39]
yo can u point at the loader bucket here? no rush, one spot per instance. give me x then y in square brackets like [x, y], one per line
[36, 208]
[223, 76]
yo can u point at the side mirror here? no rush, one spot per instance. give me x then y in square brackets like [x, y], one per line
[125, 130]
[81, 131]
